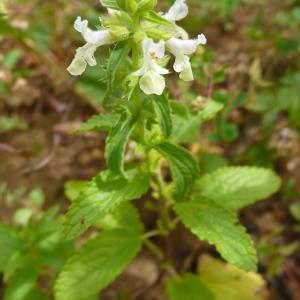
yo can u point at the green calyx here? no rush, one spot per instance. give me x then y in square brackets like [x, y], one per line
[146, 5]
[133, 6]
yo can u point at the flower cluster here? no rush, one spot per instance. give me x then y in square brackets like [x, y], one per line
[151, 80]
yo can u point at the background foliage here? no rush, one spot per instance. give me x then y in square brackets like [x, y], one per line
[251, 68]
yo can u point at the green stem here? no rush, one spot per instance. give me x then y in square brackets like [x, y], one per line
[151, 234]
[163, 201]
[154, 249]
[137, 97]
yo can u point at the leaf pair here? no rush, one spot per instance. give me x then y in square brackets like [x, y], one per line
[209, 214]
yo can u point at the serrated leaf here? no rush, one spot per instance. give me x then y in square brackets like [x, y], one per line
[236, 187]
[155, 18]
[99, 123]
[110, 4]
[217, 225]
[163, 113]
[100, 197]
[96, 264]
[9, 244]
[188, 287]
[186, 127]
[230, 283]
[116, 144]
[183, 166]
[125, 216]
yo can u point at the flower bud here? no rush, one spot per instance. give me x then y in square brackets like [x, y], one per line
[146, 5]
[159, 34]
[131, 6]
[119, 32]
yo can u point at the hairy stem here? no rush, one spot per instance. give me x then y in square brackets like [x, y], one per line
[137, 97]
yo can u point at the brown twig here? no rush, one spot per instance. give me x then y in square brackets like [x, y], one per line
[55, 145]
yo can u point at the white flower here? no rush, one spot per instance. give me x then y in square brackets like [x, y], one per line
[178, 11]
[151, 81]
[181, 49]
[85, 55]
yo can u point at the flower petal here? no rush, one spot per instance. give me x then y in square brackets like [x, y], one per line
[80, 25]
[155, 67]
[181, 62]
[77, 66]
[151, 48]
[160, 49]
[87, 53]
[95, 37]
[202, 40]
[152, 83]
[178, 11]
[187, 73]
[180, 32]
[139, 72]
[177, 46]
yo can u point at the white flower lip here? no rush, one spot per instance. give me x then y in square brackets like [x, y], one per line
[95, 37]
[181, 49]
[151, 81]
[178, 11]
[85, 55]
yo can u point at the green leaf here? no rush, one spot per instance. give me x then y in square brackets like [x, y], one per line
[188, 287]
[36, 294]
[163, 113]
[187, 125]
[96, 264]
[102, 196]
[9, 244]
[117, 57]
[155, 18]
[183, 166]
[209, 111]
[210, 162]
[230, 283]
[73, 188]
[236, 187]
[217, 225]
[116, 144]
[41, 35]
[90, 85]
[110, 4]
[21, 284]
[11, 58]
[99, 123]
[125, 216]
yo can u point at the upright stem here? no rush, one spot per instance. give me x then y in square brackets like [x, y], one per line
[137, 93]
[135, 65]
